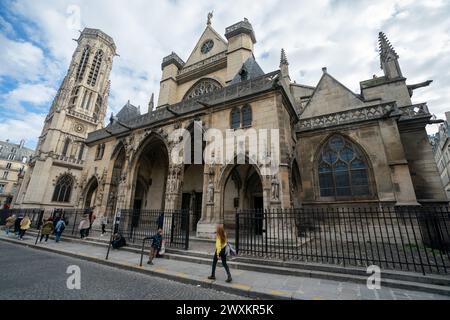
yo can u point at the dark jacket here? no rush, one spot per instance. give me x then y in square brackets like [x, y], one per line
[157, 241]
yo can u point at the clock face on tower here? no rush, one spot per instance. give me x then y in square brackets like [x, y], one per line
[79, 128]
[207, 46]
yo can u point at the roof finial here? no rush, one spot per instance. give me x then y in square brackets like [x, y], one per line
[210, 15]
[151, 103]
[283, 58]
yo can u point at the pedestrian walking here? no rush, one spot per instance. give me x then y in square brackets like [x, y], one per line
[221, 244]
[156, 246]
[104, 222]
[59, 228]
[47, 229]
[84, 226]
[24, 226]
[17, 225]
[9, 223]
[92, 218]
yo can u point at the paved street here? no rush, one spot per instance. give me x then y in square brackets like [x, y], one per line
[33, 274]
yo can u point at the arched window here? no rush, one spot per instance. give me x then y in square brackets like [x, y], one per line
[202, 87]
[246, 116]
[343, 170]
[63, 189]
[83, 63]
[235, 118]
[66, 147]
[95, 68]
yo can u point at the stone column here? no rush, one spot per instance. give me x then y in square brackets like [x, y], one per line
[395, 154]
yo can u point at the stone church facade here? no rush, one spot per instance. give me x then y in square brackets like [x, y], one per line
[336, 147]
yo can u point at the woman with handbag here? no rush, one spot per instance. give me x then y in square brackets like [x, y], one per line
[221, 245]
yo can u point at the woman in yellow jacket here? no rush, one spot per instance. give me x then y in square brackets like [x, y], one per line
[221, 243]
[24, 226]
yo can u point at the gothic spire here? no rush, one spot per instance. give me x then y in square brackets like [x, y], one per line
[283, 58]
[388, 57]
[151, 103]
[386, 47]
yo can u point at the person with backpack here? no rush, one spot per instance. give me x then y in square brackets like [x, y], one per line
[47, 229]
[156, 246]
[221, 251]
[59, 228]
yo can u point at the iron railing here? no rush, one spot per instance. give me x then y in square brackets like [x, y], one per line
[35, 215]
[402, 238]
[135, 225]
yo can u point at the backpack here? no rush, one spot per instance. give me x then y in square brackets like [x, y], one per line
[62, 226]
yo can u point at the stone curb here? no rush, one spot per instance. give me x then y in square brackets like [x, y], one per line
[406, 281]
[245, 292]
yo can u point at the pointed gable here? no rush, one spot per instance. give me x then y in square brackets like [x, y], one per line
[331, 96]
[220, 45]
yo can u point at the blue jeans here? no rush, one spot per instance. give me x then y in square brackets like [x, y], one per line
[57, 236]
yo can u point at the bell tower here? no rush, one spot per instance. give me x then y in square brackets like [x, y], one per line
[78, 108]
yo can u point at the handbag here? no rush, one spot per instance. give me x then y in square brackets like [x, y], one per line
[229, 250]
[163, 248]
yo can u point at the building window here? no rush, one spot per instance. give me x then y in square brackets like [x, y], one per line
[5, 175]
[343, 170]
[2, 188]
[8, 165]
[63, 189]
[235, 118]
[203, 86]
[13, 150]
[100, 151]
[246, 116]
[80, 154]
[11, 156]
[66, 147]
[95, 68]
[83, 63]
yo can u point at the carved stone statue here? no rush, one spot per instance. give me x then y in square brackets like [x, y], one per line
[210, 193]
[210, 15]
[275, 189]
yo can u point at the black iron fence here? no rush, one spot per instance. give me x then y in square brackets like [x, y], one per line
[135, 225]
[404, 238]
[35, 214]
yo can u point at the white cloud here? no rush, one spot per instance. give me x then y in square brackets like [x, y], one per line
[20, 60]
[36, 94]
[27, 127]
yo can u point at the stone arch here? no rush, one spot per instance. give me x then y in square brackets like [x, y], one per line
[201, 87]
[148, 170]
[240, 186]
[339, 190]
[90, 193]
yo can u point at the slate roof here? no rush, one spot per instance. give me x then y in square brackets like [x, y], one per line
[252, 68]
[128, 112]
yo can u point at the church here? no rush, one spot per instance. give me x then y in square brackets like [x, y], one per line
[336, 147]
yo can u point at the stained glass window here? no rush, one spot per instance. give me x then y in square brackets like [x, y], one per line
[343, 171]
[63, 189]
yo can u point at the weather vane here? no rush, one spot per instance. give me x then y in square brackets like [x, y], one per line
[210, 15]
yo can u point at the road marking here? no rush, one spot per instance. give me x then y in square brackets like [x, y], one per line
[280, 292]
[241, 286]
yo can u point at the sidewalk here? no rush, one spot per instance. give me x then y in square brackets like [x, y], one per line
[247, 283]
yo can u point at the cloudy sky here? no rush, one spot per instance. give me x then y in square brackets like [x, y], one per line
[36, 42]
